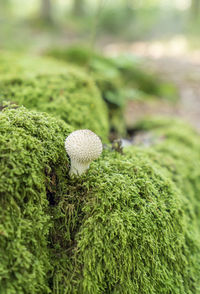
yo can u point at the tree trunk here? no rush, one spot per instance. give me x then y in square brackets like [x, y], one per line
[4, 4]
[78, 7]
[195, 9]
[46, 11]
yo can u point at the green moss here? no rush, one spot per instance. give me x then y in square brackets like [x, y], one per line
[67, 93]
[130, 224]
[17, 64]
[31, 147]
[79, 55]
[173, 129]
[180, 141]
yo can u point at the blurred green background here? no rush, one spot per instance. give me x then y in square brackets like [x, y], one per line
[39, 24]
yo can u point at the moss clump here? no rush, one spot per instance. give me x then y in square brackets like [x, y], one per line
[31, 150]
[181, 141]
[70, 95]
[130, 224]
[17, 64]
[80, 56]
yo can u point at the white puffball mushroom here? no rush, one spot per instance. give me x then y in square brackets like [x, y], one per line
[82, 146]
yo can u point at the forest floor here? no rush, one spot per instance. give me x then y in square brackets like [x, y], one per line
[173, 62]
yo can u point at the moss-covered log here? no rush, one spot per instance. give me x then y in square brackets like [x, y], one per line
[31, 150]
[129, 225]
[64, 92]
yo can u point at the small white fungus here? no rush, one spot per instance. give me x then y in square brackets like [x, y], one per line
[82, 146]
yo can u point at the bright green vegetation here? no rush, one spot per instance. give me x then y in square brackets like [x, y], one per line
[65, 92]
[129, 225]
[17, 64]
[31, 150]
[181, 142]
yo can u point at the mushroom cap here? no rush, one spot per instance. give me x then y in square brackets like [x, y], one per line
[83, 146]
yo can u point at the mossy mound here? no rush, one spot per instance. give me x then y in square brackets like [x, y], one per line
[17, 64]
[129, 225]
[180, 141]
[31, 146]
[69, 94]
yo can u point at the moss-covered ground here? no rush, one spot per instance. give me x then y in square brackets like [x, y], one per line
[31, 146]
[129, 225]
[45, 85]
[133, 224]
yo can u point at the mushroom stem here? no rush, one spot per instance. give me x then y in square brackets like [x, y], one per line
[78, 168]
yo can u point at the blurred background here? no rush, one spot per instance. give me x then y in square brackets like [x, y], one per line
[160, 35]
[35, 24]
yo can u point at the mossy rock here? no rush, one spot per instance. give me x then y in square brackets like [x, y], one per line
[128, 225]
[180, 141]
[16, 64]
[69, 94]
[131, 226]
[31, 147]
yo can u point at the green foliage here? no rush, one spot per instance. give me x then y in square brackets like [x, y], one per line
[102, 69]
[134, 75]
[114, 75]
[31, 147]
[129, 225]
[64, 92]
